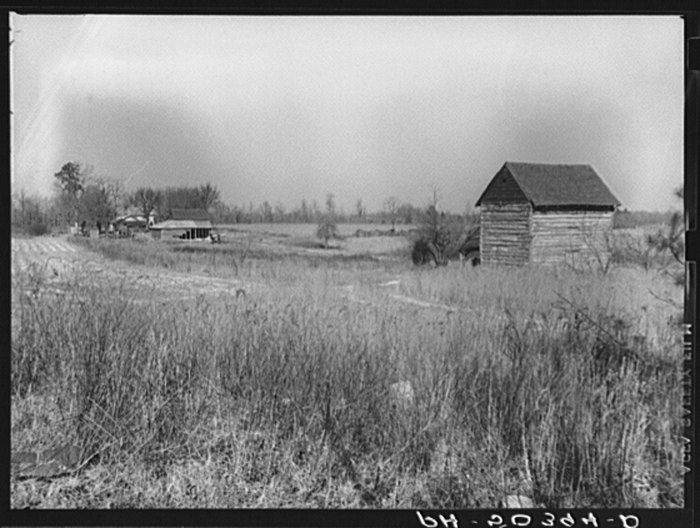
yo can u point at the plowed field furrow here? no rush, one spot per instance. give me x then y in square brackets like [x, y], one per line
[63, 263]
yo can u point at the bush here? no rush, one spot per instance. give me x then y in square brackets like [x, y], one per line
[38, 229]
[422, 253]
[447, 242]
[327, 229]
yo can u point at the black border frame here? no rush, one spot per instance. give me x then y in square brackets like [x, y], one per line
[681, 518]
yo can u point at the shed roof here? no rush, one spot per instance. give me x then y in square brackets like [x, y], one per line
[130, 219]
[189, 214]
[182, 224]
[554, 185]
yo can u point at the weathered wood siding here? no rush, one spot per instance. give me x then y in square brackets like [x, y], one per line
[505, 233]
[573, 237]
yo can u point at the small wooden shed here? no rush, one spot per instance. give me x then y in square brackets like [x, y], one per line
[184, 224]
[545, 214]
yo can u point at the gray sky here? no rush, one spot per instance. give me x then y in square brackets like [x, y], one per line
[285, 108]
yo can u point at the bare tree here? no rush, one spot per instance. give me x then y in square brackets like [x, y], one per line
[360, 209]
[207, 196]
[97, 205]
[116, 193]
[266, 211]
[280, 212]
[330, 204]
[305, 211]
[147, 199]
[327, 227]
[29, 213]
[391, 208]
[434, 234]
[670, 239]
[315, 210]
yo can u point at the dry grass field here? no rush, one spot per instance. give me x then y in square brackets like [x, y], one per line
[301, 229]
[264, 372]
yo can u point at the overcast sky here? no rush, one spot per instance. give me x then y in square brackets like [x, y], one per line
[285, 108]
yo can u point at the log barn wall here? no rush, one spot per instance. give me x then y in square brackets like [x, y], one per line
[559, 237]
[505, 233]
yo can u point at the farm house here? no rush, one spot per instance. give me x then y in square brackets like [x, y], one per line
[184, 224]
[545, 214]
[128, 224]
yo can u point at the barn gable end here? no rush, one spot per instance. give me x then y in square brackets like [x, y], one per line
[503, 189]
[545, 214]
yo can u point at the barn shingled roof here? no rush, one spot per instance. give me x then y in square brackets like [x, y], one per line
[189, 214]
[551, 185]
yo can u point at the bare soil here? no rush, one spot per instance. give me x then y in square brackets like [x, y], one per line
[64, 263]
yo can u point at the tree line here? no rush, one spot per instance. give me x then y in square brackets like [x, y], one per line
[311, 211]
[79, 195]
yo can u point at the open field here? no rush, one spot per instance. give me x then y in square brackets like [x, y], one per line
[309, 229]
[265, 372]
[300, 239]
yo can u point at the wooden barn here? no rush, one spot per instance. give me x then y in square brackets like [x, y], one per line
[545, 214]
[184, 224]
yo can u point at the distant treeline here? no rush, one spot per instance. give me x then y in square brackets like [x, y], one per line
[625, 219]
[310, 212]
[79, 196]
